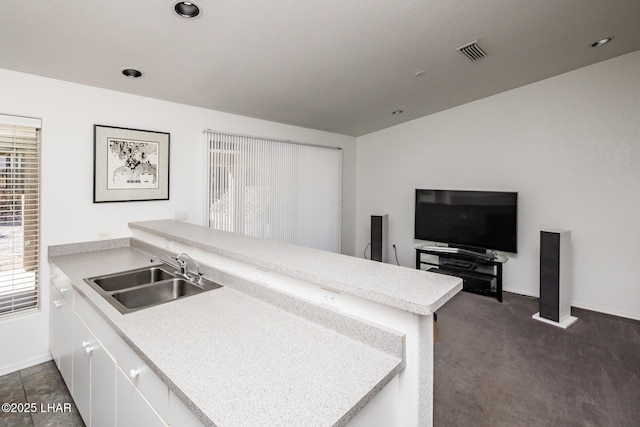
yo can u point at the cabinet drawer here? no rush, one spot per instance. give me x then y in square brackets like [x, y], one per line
[61, 283]
[100, 328]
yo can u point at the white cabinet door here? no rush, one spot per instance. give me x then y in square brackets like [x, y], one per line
[60, 338]
[103, 388]
[94, 379]
[83, 342]
[133, 410]
[143, 378]
[55, 324]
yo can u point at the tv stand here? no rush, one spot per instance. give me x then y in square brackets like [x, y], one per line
[458, 264]
[481, 273]
[452, 250]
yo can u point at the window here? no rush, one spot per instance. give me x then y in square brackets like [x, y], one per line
[19, 214]
[275, 190]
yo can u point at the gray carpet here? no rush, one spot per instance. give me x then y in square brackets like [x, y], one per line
[496, 366]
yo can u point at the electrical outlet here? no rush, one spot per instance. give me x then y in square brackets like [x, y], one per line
[328, 297]
[262, 276]
[104, 235]
[181, 215]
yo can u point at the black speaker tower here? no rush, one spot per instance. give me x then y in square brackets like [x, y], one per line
[379, 226]
[555, 278]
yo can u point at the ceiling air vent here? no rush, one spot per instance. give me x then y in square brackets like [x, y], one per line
[472, 51]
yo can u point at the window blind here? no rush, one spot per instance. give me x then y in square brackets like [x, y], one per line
[277, 190]
[19, 214]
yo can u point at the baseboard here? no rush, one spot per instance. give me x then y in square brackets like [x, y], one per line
[618, 313]
[25, 364]
[520, 292]
[590, 307]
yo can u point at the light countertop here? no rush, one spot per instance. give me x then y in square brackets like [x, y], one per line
[415, 291]
[236, 360]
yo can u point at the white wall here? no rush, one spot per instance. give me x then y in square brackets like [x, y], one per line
[570, 145]
[68, 112]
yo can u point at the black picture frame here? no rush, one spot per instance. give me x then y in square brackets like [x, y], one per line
[130, 164]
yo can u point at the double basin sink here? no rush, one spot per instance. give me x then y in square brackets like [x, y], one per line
[134, 290]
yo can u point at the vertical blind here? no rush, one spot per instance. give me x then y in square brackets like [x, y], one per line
[276, 190]
[19, 213]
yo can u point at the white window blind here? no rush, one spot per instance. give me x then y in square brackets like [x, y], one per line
[276, 190]
[19, 214]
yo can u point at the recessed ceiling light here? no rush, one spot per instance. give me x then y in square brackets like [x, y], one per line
[420, 74]
[601, 42]
[187, 9]
[131, 72]
[397, 112]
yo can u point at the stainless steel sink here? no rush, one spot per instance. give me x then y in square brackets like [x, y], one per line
[158, 293]
[134, 290]
[129, 279]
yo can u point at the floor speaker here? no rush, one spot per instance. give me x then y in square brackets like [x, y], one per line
[555, 278]
[379, 226]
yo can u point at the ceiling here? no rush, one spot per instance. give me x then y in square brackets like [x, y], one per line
[336, 65]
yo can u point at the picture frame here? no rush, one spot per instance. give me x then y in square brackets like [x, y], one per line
[130, 164]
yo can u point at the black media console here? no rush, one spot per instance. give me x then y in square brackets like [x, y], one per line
[480, 273]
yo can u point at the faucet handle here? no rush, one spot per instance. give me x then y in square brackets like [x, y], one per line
[198, 276]
[183, 270]
[187, 256]
[179, 260]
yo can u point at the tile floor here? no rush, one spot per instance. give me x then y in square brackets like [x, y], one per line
[42, 386]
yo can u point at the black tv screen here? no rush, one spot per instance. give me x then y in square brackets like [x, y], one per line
[474, 219]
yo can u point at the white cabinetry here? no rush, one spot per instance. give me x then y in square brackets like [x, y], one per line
[132, 409]
[60, 339]
[142, 378]
[103, 387]
[93, 377]
[81, 390]
[109, 383]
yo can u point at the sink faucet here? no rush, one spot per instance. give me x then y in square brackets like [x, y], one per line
[180, 259]
[181, 268]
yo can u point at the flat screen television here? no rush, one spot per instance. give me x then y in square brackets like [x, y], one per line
[474, 220]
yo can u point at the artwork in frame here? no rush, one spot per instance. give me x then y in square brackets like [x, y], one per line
[130, 164]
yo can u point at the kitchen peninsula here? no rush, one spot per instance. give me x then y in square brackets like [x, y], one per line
[295, 336]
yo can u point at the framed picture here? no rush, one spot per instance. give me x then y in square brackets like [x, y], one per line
[130, 164]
